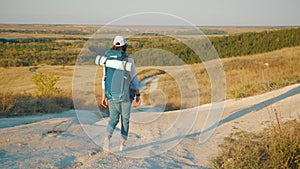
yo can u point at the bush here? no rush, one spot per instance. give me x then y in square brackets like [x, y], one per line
[48, 99]
[27, 104]
[276, 147]
[45, 84]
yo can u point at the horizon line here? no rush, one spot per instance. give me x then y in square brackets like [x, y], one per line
[77, 24]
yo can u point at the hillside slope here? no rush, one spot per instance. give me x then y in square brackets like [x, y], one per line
[59, 141]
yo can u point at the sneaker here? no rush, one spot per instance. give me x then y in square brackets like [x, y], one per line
[123, 148]
[106, 144]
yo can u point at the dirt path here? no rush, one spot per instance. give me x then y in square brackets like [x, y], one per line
[61, 141]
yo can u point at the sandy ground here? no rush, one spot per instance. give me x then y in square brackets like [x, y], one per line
[178, 139]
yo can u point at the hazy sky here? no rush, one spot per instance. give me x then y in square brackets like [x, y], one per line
[198, 12]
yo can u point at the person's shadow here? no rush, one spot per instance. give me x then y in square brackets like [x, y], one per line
[231, 117]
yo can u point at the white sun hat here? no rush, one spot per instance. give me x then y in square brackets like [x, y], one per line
[119, 41]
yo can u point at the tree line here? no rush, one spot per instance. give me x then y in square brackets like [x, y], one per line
[253, 42]
[65, 32]
[225, 46]
[35, 51]
[154, 50]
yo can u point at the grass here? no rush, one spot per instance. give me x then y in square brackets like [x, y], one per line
[12, 104]
[149, 72]
[262, 72]
[276, 147]
[18, 79]
[20, 96]
[245, 76]
[229, 30]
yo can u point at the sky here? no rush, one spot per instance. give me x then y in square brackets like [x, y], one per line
[152, 12]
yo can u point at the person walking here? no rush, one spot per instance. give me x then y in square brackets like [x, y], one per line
[119, 107]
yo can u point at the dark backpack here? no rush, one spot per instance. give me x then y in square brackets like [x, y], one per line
[117, 81]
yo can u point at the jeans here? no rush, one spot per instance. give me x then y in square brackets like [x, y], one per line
[115, 110]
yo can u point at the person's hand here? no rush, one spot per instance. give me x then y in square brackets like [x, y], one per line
[104, 102]
[137, 101]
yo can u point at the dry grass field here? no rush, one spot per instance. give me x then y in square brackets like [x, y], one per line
[90, 29]
[237, 30]
[245, 76]
[18, 79]
[274, 147]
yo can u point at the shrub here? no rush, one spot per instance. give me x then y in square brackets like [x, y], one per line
[275, 147]
[45, 84]
[47, 99]
[7, 101]
[27, 104]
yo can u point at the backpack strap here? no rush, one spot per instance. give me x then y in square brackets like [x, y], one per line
[125, 78]
[125, 65]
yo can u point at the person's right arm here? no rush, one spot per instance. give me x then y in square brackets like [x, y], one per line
[104, 99]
